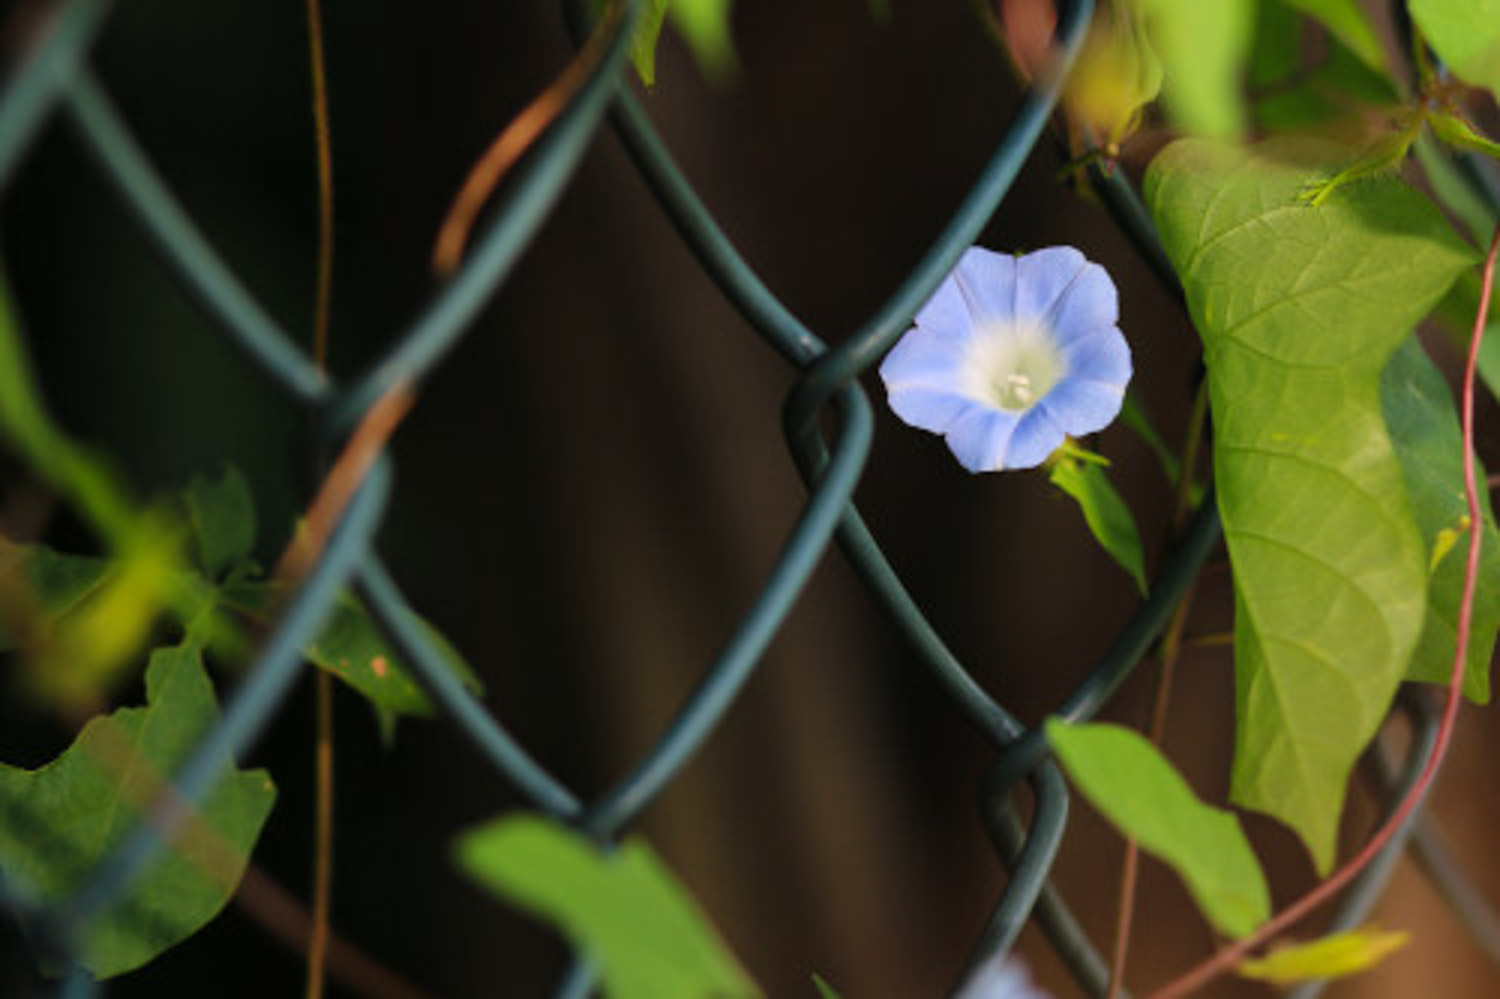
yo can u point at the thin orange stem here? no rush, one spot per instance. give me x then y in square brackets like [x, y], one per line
[1236, 952]
[322, 886]
[280, 913]
[322, 305]
[513, 140]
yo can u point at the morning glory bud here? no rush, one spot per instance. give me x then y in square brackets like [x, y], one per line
[1011, 356]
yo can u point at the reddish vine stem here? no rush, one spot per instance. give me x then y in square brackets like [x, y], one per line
[1171, 650]
[1233, 954]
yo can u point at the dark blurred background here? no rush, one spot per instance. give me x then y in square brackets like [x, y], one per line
[593, 487]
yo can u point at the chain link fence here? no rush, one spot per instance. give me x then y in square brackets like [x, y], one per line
[828, 426]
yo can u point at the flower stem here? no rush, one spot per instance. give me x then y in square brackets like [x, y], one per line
[1233, 954]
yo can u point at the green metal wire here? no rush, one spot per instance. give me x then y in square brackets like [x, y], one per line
[241, 317]
[44, 78]
[507, 755]
[538, 182]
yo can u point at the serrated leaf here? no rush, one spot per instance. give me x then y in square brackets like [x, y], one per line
[642, 930]
[1142, 794]
[58, 822]
[1299, 308]
[1466, 36]
[1424, 427]
[222, 514]
[1347, 21]
[1335, 956]
[353, 648]
[1109, 519]
[1203, 48]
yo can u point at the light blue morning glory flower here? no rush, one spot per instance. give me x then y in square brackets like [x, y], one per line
[1000, 977]
[1011, 355]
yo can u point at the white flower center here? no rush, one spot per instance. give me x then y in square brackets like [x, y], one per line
[1012, 365]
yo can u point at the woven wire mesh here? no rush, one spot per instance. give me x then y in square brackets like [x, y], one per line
[57, 78]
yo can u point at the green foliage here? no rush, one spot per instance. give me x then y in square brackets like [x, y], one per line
[1108, 518]
[703, 24]
[26, 427]
[1203, 49]
[624, 909]
[1348, 23]
[1299, 308]
[1339, 86]
[59, 821]
[1424, 427]
[88, 616]
[1466, 36]
[643, 44]
[1137, 789]
[221, 512]
[353, 647]
[825, 991]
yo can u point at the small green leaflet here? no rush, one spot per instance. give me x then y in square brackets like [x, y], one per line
[1466, 36]
[1134, 786]
[1299, 308]
[1106, 514]
[703, 24]
[58, 822]
[353, 648]
[221, 512]
[1424, 427]
[639, 926]
[825, 991]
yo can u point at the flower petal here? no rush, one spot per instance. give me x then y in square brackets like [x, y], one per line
[1089, 303]
[934, 409]
[1036, 437]
[987, 281]
[946, 311]
[1100, 356]
[924, 358]
[1043, 277]
[1081, 407]
[981, 437]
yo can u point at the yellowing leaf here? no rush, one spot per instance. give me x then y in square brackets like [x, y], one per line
[81, 657]
[1328, 957]
[1116, 76]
